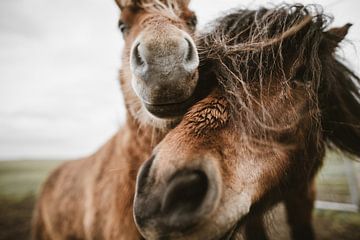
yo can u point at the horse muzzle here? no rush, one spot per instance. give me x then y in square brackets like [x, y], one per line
[176, 206]
[164, 69]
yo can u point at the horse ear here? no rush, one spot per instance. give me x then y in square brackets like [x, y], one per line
[124, 3]
[336, 35]
[120, 3]
[184, 3]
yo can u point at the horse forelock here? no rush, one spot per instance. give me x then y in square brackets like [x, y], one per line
[264, 54]
[170, 8]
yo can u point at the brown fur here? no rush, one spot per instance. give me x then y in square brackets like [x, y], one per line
[91, 198]
[281, 97]
[140, 19]
[269, 119]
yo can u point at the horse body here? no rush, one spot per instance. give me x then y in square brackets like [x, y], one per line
[91, 198]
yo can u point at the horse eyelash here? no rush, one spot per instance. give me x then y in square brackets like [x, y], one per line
[122, 26]
[192, 22]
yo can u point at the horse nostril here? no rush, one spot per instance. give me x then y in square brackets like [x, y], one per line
[180, 204]
[191, 59]
[190, 51]
[137, 56]
[162, 78]
[143, 174]
[185, 193]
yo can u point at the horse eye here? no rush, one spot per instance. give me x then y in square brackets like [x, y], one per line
[124, 28]
[192, 21]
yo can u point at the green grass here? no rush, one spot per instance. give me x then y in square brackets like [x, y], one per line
[331, 225]
[15, 217]
[22, 178]
[20, 181]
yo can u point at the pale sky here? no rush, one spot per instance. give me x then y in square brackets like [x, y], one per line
[59, 95]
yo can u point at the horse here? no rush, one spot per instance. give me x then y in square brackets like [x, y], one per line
[260, 136]
[91, 198]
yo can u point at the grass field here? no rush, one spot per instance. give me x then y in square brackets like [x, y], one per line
[21, 178]
[20, 182]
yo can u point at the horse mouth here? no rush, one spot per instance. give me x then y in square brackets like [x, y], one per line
[171, 110]
[232, 233]
[178, 109]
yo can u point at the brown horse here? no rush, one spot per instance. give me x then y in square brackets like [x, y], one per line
[259, 138]
[92, 198]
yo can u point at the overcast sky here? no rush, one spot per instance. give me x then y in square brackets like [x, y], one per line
[59, 95]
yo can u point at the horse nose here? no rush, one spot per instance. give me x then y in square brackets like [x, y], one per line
[174, 201]
[178, 204]
[184, 197]
[164, 69]
[148, 54]
[191, 59]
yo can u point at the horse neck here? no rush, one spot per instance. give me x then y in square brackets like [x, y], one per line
[135, 141]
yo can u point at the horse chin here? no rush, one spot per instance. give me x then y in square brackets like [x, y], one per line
[170, 111]
[164, 124]
[177, 109]
[235, 230]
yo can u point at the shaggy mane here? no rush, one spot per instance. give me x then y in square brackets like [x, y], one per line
[249, 52]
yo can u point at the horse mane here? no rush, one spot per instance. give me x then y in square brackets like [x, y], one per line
[286, 45]
[341, 109]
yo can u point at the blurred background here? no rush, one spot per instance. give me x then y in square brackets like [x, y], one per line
[60, 99]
